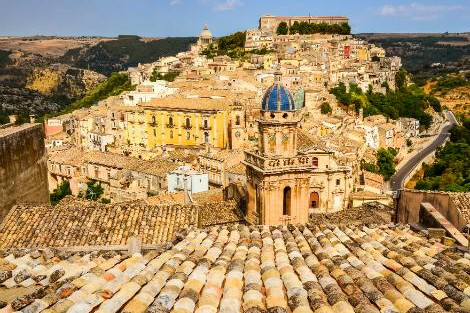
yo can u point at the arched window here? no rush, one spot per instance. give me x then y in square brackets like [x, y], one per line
[170, 121]
[206, 124]
[314, 200]
[154, 120]
[286, 203]
[315, 162]
[188, 122]
[237, 120]
[206, 137]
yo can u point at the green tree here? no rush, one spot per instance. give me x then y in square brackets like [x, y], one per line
[370, 167]
[325, 108]
[400, 79]
[385, 162]
[94, 190]
[113, 86]
[169, 77]
[451, 169]
[282, 29]
[60, 192]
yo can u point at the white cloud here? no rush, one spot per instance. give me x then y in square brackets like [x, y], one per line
[174, 3]
[418, 11]
[227, 5]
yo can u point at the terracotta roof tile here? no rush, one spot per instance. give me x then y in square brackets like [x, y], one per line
[299, 269]
[80, 224]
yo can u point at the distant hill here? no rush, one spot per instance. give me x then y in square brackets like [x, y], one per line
[426, 55]
[45, 74]
[126, 51]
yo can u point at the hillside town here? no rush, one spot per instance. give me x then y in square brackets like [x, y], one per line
[234, 182]
[210, 114]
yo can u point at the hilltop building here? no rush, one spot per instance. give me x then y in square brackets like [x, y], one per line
[286, 180]
[270, 22]
[205, 39]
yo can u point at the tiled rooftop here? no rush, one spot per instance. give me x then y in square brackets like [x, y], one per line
[90, 224]
[228, 269]
[187, 104]
[75, 156]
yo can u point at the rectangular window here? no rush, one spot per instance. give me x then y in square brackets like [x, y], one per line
[338, 182]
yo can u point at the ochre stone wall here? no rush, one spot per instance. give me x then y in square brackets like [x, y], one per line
[410, 202]
[23, 168]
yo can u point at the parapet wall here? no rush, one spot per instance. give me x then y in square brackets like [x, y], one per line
[410, 202]
[23, 168]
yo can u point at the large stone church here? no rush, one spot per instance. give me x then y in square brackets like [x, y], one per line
[287, 184]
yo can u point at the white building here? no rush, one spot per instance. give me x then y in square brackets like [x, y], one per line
[371, 135]
[185, 177]
[148, 91]
[99, 141]
[410, 127]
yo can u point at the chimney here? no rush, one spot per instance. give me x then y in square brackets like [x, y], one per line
[13, 118]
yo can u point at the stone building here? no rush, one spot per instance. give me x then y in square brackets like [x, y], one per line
[270, 22]
[205, 39]
[23, 169]
[285, 183]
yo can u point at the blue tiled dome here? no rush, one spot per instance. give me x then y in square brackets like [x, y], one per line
[277, 98]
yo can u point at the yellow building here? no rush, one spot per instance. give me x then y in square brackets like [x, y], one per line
[180, 122]
[363, 54]
[268, 61]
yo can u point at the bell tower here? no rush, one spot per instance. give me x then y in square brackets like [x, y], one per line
[277, 177]
[278, 122]
[237, 125]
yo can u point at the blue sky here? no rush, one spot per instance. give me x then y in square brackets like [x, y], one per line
[155, 18]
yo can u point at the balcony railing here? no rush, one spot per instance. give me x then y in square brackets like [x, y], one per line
[170, 125]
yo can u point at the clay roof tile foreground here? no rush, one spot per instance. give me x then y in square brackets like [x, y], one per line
[236, 268]
[93, 224]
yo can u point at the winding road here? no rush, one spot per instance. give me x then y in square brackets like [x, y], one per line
[397, 180]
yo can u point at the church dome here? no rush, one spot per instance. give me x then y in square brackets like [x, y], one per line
[206, 33]
[278, 98]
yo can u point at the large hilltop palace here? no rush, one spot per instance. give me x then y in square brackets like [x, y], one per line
[231, 180]
[270, 22]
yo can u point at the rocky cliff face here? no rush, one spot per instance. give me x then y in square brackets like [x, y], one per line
[36, 84]
[63, 80]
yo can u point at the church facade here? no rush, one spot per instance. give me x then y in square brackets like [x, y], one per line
[287, 184]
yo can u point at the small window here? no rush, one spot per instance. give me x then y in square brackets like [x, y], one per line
[338, 182]
[188, 135]
[188, 122]
[171, 134]
[154, 120]
[170, 121]
[315, 162]
[237, 122]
